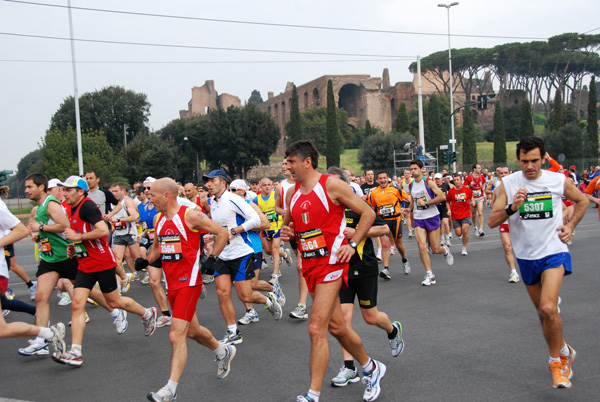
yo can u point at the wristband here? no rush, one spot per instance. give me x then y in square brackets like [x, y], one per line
[509, 210]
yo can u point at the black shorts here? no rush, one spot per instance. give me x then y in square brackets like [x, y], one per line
[258, 261]
[294, 243]
[365, 289]
[66, 269]
[443, 210]
[240, 269]
[106, 279]
[9, 250]
[395, 226]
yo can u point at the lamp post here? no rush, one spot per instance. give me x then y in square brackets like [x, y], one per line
[197, 165]
[453, 141]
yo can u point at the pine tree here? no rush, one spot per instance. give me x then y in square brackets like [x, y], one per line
[294, 128]
[402, 121]
[592, 121]
[499, 136]
[469, 139]
[526, 121]
[333, 139]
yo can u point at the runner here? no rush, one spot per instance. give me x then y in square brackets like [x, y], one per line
[316, 218]
[178, 246]
[386, 201]
[459, 200]
[424, 193]
[476, 182]
[408, 218]
[96, 264]
[531, 199]
[443, 209]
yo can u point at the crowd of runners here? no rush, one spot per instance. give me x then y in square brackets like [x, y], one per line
[93, 243]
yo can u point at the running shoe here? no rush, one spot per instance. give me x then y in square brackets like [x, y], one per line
[136, 276]
[448, 256]
[126, 284]
[279, 293]
[344, 377]
[288, 256]
[65, 299]
[299, 312]
[392, 251]
[442, 241]
[32, 290]
[567, 361]
[163, 321]
[35, 349]
[559, 377]
[146, 279]
[429, 280]
[429, 250]
[72, 358]
[448, 242]
[407, 269]
[203, 292]
[464, 251]
[304, 398]
[5, 313]
[232, 339]
[121, 322]
[58, 339]
[397, 343]
[385, 274]
[274, 308]
[150, 323]
[248, 318]
[411, 233]
[264, 264]
[373, 381]
[481, 234]
[378, 255]
[163, 395]
[514, 277]
[223, 364]
[274, 279]
[87, 319]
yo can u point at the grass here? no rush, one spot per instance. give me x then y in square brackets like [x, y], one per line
[485, 152]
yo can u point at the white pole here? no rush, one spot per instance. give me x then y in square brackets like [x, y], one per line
[451, 86]
[420, 103]
[76, 95]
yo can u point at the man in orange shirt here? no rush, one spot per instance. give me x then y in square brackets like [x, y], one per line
[591, 188]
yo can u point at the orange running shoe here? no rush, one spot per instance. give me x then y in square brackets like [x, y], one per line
[567, 361]
[559, 378]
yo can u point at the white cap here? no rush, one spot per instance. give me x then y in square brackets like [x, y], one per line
[54, 183]
[149, 179]
[241, 184]
[438, 176]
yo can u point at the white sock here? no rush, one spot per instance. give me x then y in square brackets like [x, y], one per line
[76, 348]
[45, 334]
[147, 314]
[513, 271]
[553, 359]
[115, 313]
[368, 366]
[221, 351]
[430, 273]
[565, 350]
[314, 395]
[232, 328]
[172, 385]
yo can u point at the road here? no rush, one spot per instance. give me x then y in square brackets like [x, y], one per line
[471, 337]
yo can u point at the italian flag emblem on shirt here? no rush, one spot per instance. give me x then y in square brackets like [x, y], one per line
[305, 217]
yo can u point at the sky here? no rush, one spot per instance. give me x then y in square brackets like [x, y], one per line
[36, 73]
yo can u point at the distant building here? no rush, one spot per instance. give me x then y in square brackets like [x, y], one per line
[206, 98]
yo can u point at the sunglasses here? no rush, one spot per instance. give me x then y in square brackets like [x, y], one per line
[147, 188]
[233, 190]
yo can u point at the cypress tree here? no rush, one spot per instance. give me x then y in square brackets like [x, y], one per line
[526, 121]
[402, 122]
[499, 136]
[592, 121]
[469, 139]
[333, 133]
[434, 132]
[368, 129]
[557, 120]
[294, 129]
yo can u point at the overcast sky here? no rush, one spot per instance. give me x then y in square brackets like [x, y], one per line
[36, 73]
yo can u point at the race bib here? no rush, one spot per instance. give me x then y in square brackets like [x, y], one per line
[170, 247]
[476, 193]
[537, 206]
[271, 216]
[80, 250]
[425, 201]
[387, 211]
[120, 225]
[151, 234]
[312, 244]
[461, 197]
[46, 247]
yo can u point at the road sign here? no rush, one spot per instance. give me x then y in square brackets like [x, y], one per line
[443, 146]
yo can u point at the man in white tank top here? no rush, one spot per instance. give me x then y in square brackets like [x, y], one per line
[531, 200]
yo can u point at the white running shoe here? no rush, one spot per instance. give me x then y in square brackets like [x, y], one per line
[32, 291]
[448, 242]
[279, 293]
[163, 321]
[35, 349]
[163, 395]
[274, 308]
[429, 280]
[65, 299]
[223, 364]
[407, 269]
[288, 256]
[146, 279]
[248, 318]
[299, 312]
[448, 256]
[397, 343]
[464, 251]
[345, 377]
[481, 234]
[58, 339]
[126, 284]
[373, 381]
[203, 291]
[558, 304]
[514, 277]
[121, 322]
[411, 233]
[150, 323]
[385, 274]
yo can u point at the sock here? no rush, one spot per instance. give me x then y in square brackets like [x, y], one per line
[404, 260]
[76, 348]
[268, 303]
[166, 312]
[378, 250]
[393, 334]
[172, 385]
[29, 284]
[565, 350]
[45, 334]
[248, 310]
[115, 313]
[221, 351]
[349, 364]
[513, 271]
[430, 273]
[147, 314]
[232, 328]
[314, 395]
[553, 359]
[368, 367]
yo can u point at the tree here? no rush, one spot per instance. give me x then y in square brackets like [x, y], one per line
[469, 139]
[377, 151]
[255, 98]
[106, 111]
[526, 121]
[557, 120]
[402, 122]
[314, 127]
[591, 146]
[294, 128]
[368, 129]
[512, 122]
[435, 135]
[499, 136]
[151, 155]
[333, 140]
[30, 163]
[59, 154]
[566, 140]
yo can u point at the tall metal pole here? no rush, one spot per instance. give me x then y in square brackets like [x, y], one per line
[76, 95]
[420, 103]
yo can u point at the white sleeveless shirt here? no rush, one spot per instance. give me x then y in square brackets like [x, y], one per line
[418, 190]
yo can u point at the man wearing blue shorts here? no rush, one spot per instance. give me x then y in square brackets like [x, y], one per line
[532, 201]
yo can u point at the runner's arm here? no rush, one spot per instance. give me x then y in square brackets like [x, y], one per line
[264, 222]
[17, 232]
[581, 203]
[439, 194]
[499, 214]
[198, 221]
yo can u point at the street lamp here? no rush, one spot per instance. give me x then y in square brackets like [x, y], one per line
[453, 141]
[197, 165]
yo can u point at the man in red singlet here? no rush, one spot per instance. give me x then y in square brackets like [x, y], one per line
[476, 182]
[316, 218]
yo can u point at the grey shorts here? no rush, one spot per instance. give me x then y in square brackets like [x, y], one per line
[456, 223]
[123, 240]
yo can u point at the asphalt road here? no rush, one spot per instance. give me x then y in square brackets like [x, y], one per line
[471, 337]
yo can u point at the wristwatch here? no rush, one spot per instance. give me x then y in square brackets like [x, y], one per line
[233, 232]
[353, 244]
[41, 227]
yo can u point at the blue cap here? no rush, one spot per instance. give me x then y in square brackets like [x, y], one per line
[75, 181]
[216, 173]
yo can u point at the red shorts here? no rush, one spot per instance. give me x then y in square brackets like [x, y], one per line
[504, 228]
[3, 285]
[324, 274]
[567, 203]
[183, 302]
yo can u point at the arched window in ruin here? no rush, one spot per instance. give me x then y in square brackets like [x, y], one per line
[283, 115]
[316, 99]
[351, 99]
[305, 100]
[276, 115]
[393, 112]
